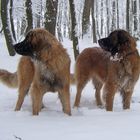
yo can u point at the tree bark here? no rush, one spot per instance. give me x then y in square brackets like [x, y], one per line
[12, 20]
[29, 17]
[135, 15]
[51, 15]
[6, 28]
[93, 23]
[86, 16]
[108, 17]
[113, 26]
[73, 28]
[127, 15]
[102, 20]
[118, 24]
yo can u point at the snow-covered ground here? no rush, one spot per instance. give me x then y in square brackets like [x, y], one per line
[86, 123]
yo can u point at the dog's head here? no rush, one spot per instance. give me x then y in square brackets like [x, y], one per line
[35, 41]
[115, 42]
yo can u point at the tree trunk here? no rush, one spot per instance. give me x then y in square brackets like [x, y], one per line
[51, 15]
[93, 23]
[108, 17]
[127, 15]
[86, 16]
[135, 15]
[73, 28]
[6, 28]
[29, 17]
[118, 24]
[12, 20]
[102, 20]
[113, 26]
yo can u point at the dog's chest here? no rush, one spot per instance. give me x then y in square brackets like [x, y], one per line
[125, 75]
[49, 78]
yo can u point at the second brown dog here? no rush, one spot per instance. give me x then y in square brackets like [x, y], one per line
[116, 66]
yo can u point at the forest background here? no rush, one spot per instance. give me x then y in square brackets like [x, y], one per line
[72, 19]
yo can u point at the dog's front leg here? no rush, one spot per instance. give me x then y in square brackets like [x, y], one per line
[37, 96]
[126, 98]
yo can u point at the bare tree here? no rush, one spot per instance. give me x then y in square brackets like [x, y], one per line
[6, 27]
[118, 24]
[108, 16]
[102, 20]
[86, 16]
[135, 15]
[29, 15]
[12, 20]
[93, 22]
[51, 15]
[73, 28]
[127, 15]
[113, 26]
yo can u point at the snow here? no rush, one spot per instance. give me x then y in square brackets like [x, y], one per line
[87, 122]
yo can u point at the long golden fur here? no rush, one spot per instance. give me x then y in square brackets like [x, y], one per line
[115, 67]
[44, 67]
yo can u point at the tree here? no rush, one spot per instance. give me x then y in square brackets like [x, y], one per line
[113, 26]
[93, 22]
[73, 28]
[51, 15]
[12, 20]
[127, 15]
[29, 15]
[135, 15]
[7, 32]
[108, 16]
[86, 17]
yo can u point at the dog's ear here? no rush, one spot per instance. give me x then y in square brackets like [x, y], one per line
[122, 37]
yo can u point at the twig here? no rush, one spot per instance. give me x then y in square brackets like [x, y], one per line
[17, 137]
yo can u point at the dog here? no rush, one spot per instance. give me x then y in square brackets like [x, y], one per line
[43, 67]
[114, 67]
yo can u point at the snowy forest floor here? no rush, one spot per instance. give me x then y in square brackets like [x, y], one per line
[87, 122]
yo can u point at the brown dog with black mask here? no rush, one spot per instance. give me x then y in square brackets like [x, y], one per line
[115, 67]
[44, 66]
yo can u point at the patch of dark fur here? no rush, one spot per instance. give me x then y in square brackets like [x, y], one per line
[24, 48]
[52, 84]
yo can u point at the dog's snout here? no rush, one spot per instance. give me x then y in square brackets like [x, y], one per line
[101, 42]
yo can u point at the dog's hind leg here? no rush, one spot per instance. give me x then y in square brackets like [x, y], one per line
[22, 93]
[24, 86]
[25, 76]
[81, 82]
[98, 86]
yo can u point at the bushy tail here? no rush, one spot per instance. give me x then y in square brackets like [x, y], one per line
[8, 78]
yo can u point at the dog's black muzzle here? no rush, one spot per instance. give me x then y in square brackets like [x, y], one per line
[104, 44]
[24, 48]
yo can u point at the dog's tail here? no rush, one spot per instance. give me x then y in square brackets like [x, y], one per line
[8, 78]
